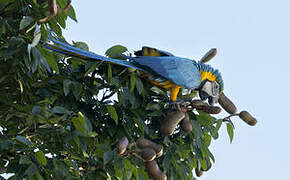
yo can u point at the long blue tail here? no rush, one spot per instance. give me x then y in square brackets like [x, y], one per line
[67, 49]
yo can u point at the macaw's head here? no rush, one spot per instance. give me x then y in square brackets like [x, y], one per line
[211, 84]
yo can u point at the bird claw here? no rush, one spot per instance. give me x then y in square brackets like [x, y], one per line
[180, 104]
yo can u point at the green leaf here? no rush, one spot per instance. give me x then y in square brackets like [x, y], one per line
[110, 74]
[59, 110]
[77, 89]
[196, 129]
[24, 159]
[72, 14]
[81, 45]
[36, 39]
[116, 51]
[66, 85]
[51, 61]
[25, 21]
[36, 110]
[153, 106]
[218, 125]
[31, 170]
[41, 158]
[23, 140]
[132, 81]
[204, 119]
[112, 111]
[108, 156]
[230, 131]
[139, 84]
[80, 124]
[38, 58]
[55, 27]
[207, 140]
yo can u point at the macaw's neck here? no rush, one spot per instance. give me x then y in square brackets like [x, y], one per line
[209, 73]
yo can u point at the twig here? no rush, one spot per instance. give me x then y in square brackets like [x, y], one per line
[228, 119]
[54, 10]
[4, 8]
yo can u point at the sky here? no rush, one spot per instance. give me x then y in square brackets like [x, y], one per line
[252, 39]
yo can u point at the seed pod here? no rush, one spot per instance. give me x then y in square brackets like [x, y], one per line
[209, 109]
[227, 104]
[122, 145]
[147, 154]
[248, 118]
[208, 56]
[198, 170]
[170, 122]
[145, 143]
[153, 169]
[186, 124]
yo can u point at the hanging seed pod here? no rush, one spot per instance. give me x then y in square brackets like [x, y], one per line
[186, 124]
[171, 120]
[248, 118]
[122, 145]
[153, 169]
[227, 104]
[208, 56]
[147, 154]
[145, 143]
[198, 170]
[209, 109]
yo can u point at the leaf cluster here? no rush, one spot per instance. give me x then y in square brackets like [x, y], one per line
[61, 117]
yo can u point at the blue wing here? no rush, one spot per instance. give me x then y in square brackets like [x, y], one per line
[183, 72]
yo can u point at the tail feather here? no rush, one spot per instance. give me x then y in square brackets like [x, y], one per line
[67, 49]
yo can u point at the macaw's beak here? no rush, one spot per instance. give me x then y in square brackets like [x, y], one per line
[213, 100]
[203, 95]
[209, 90]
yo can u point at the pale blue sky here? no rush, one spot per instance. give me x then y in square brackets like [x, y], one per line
[252, 38]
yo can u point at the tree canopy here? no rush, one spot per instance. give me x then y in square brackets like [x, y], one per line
[63, 117]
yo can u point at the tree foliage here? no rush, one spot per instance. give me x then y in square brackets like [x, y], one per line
[62, 117]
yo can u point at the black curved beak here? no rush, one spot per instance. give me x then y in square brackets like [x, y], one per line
[203, 95]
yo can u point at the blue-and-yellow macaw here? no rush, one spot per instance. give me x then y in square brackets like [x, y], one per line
[160, 68]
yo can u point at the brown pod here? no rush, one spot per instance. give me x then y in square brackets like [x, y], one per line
[145, 143]
[248, 118]
[147, 154]
[186, 124]
[171, 120]
[153, 169]
[227, 104]
[198, 170]
[209, 55]
[209, 109]
[122, 145]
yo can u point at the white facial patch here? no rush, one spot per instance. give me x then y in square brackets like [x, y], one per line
[211, 88]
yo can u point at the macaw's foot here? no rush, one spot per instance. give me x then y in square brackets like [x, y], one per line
[180, 104]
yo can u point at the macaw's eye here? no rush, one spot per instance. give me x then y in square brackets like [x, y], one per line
[215, 89]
